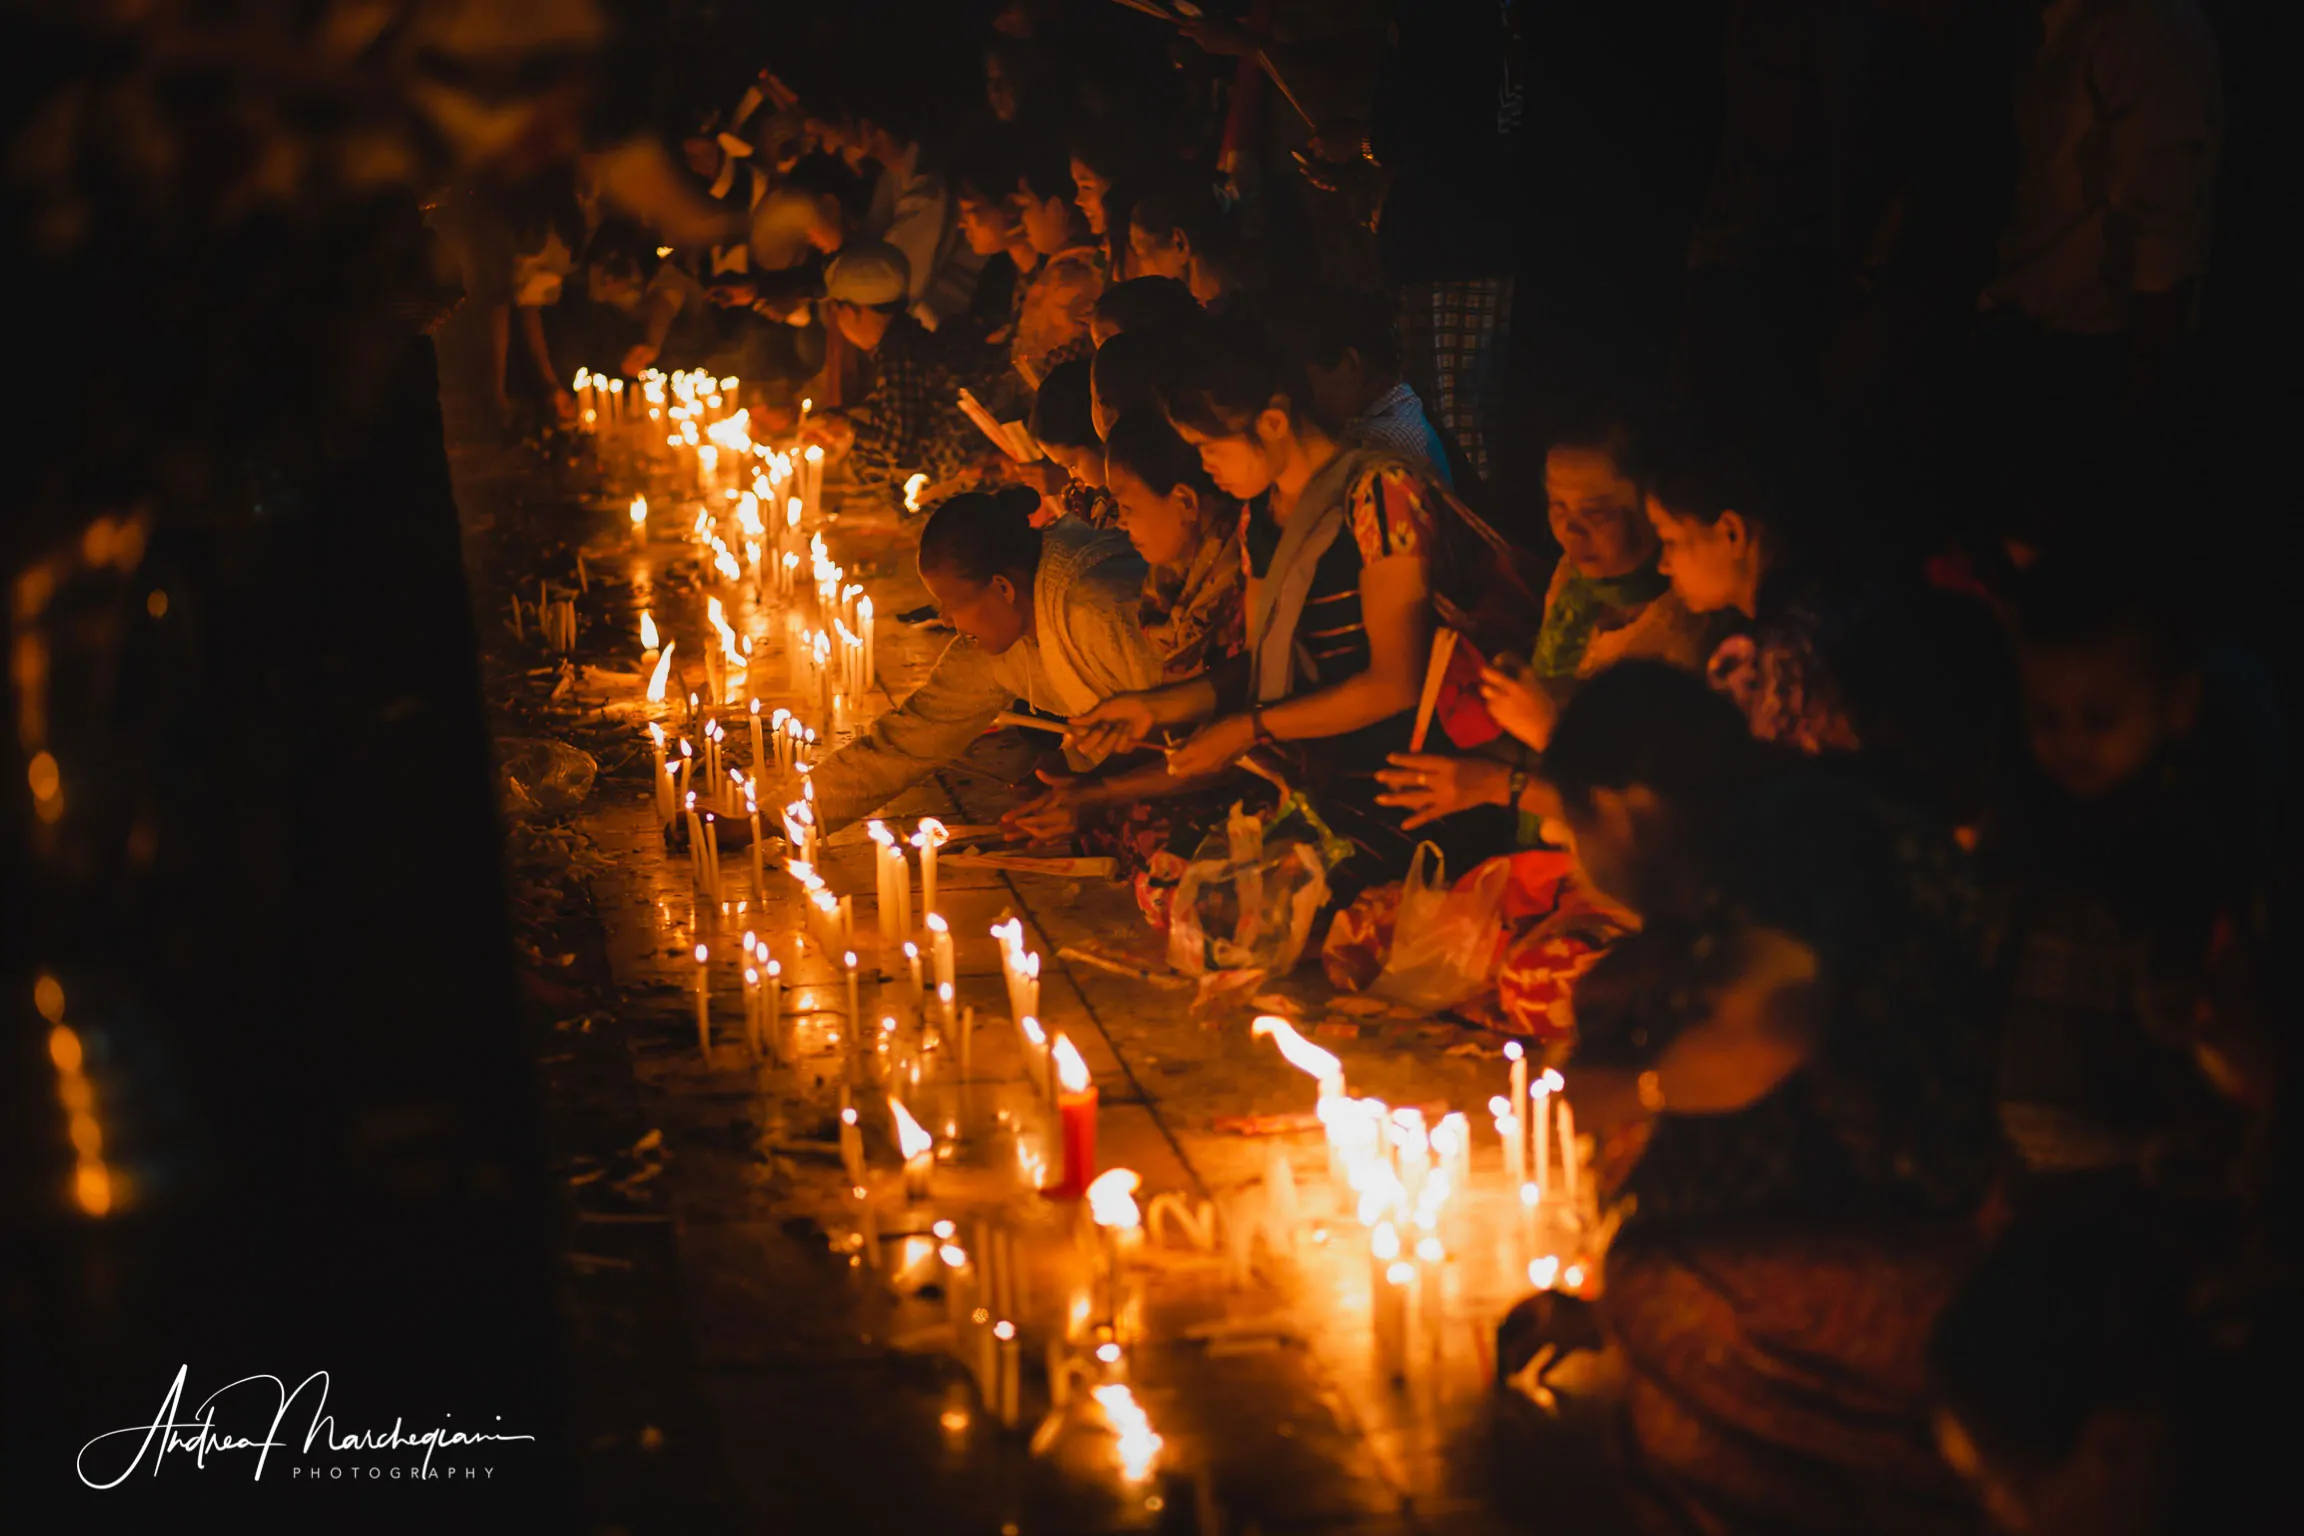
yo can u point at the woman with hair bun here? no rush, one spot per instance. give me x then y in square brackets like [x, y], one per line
[1046, 616]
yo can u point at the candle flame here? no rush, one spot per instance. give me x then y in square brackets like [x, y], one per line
[702, 954]
[1071, 1070]
[1384, 1241]
[1135, 1443]
[849, 959]
[1112, 1198]
[932, 833]
[953, 1255]
[911, 1138]
[1301, 1053]
[912, 489]
[936, 923]
[656, 734]
[1032, 1030]
[1550, 1082]
[639, 511]
[648, 636]
[879, 833]
[663, 675]
[1512, 1051]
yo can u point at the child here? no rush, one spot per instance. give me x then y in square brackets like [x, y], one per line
[2133, 875]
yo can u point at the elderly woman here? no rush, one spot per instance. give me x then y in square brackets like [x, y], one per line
[1045, 616]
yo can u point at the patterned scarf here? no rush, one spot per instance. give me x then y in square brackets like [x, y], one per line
[1192, 613]
[1585, 607]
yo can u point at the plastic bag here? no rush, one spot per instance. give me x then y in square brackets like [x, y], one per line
[1444, 942]
[1247, 900]
[535, 777]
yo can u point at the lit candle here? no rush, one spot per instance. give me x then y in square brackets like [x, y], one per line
[759, 866]
[1519, 1059]
[930, 837]
[918, 1147]
[1112, 1207]
[1036, 1063]
[871, 660]
[851, 1142]
[855, 1017]
[704, 1001]
[1571, 1175]
[884, 878]
[662, 674]
[919, 997]
[751, 1006]
[1076, 1116]
[1389, 1278]
[650, 643]
[663, 791]
[1541, 1124]
[772, 1009]
[1514, 1137]
[759, 753]
[940, 952]
[640, 520]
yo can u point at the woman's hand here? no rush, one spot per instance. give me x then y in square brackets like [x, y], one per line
[1116, 725]
[563, 403]
[1218, 744]
[1053, 813]
[1432, 787]
[641, 358]
[834, 434]
[1519, 705]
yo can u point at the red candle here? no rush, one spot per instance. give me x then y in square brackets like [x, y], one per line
[1076, 1120]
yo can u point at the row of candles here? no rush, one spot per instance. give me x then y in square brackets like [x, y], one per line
[1400, 1179]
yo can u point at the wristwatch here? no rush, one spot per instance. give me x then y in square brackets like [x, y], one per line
[1515, 786]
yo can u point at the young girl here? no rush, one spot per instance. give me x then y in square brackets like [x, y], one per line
[1728, 546]
[1340, 549]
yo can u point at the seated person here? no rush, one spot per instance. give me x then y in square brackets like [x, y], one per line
[1188, 533]
[1177, 230]
[910, 206]
[1342, 547]
[1126, 377]
[2134, 870]
[1045, 616]
[1052, 315]
[1064, 425]
[1731, 544]
[910, 420]
[1804, 1102]
[1142, 304]
[1351, 353]
[1607, 601]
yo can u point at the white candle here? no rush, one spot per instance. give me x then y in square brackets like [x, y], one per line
[851, 1142]
[704, 1002]
[1389, 1280]
[1547, 1085]
[1571, 1175]
[930, 836]
[855, 1017]
[940, 958]
[772, 1009]
[871, 659]
[1519, 1060]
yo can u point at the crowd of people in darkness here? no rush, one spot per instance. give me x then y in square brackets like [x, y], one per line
[1772, 414]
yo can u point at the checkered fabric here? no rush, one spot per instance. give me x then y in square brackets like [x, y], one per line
[1452, 339]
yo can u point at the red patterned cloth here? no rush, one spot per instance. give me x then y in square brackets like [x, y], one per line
[1776, 1381]
[1553, 932]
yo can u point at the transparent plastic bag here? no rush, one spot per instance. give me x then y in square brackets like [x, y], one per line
[1248, 898]
[1444, 941]
[535, 777]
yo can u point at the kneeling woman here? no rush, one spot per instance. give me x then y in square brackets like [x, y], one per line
[1340, 545]
[1045, 616]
